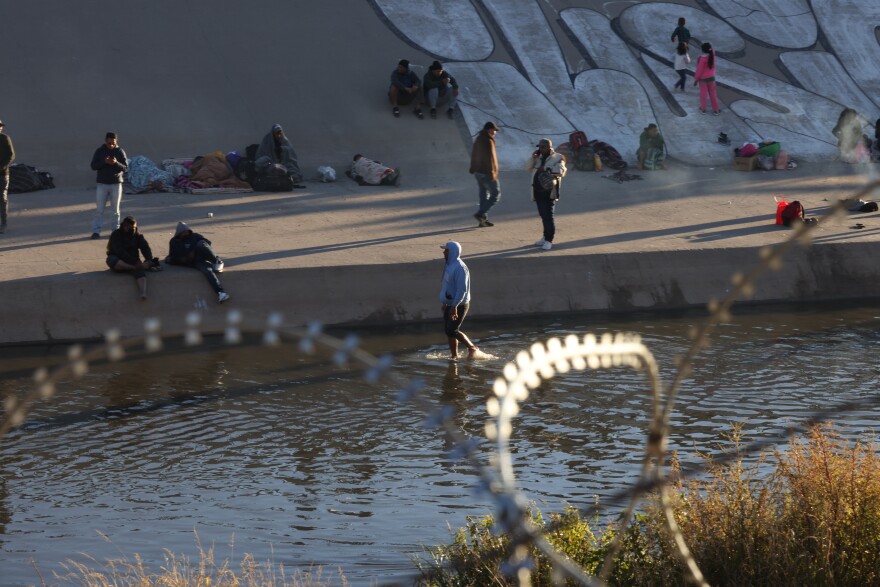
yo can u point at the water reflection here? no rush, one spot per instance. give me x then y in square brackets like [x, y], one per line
[302, 459]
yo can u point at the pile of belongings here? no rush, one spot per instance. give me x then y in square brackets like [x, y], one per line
[24, 178]
[770, 154]
[610, 157]
[209, 173]
[144, 176]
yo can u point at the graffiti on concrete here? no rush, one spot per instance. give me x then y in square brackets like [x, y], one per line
[821, 57]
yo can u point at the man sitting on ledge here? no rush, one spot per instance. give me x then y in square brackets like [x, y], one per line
[124, 248]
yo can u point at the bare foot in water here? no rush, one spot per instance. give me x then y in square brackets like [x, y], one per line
[472, 352]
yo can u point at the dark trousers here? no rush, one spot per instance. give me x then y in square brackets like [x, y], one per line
[204, 262]
[546, 209]
[682, 76]
[451, 326]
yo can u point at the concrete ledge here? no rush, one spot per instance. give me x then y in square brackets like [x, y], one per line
[85, 305]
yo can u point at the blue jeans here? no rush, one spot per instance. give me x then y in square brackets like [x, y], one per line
[4, 198]
[437, 98]
[682, 76]
[545, 210]
[489, 193]
[204, 262]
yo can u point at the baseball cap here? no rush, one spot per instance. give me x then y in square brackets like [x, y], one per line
[543, 142]
[490, 126]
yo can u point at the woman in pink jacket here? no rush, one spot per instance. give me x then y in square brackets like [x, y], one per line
[705, 76]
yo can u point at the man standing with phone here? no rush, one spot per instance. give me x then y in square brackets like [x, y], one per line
[110, 162]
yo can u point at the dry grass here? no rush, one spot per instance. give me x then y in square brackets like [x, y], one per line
[180, 571]
[814, 520]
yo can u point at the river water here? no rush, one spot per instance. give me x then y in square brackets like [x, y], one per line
[262, 450]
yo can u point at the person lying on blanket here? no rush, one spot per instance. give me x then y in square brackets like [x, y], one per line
[368, 172]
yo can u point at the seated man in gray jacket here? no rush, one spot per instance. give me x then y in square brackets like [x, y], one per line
[276, 152]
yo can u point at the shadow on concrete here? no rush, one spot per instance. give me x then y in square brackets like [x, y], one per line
[239, 261]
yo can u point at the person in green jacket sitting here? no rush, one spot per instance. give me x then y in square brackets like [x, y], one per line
[651, 151]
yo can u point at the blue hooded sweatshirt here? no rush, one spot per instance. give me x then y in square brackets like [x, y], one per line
[456, 287]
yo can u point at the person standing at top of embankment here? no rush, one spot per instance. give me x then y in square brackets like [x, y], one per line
[455, 295]
[7, 156]
[705, 76]
[110, 162]
[484, 167]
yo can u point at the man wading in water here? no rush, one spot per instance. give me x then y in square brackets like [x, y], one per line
[455, 294]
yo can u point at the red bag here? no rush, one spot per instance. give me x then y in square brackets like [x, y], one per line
[792, 213]
[780, 206]
[577, 140]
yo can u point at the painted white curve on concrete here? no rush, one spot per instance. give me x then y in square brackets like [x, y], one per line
[823, 74]
[805, 130]
[451, 28]
[691, 138]
[532, 41]
[849, 25]
[650, 26]
[498, 92]
[788, 24]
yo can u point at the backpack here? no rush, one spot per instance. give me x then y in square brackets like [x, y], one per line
[576, 140]
[24, 178]
[246, 170]
[584, 158]
[792, 212]
[273, 183]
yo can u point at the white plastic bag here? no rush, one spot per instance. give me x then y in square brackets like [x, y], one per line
[327, 173]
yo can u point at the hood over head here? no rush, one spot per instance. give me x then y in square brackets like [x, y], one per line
[181, 227]
[454, 249]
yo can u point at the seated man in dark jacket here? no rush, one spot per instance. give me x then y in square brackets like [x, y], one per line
[123, 253]
[191, 249]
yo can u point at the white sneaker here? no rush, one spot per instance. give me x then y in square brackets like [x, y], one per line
[222, 297]
[218, 265]
[547, 245]
[540, 243]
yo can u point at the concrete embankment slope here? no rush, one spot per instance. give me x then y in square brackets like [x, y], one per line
[184, 79]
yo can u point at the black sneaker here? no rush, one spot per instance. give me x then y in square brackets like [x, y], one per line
[418, 113]
[479, 218]
[396, 112]
[485, 223]
[95, 236]
[450, 113]
[433, 113]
